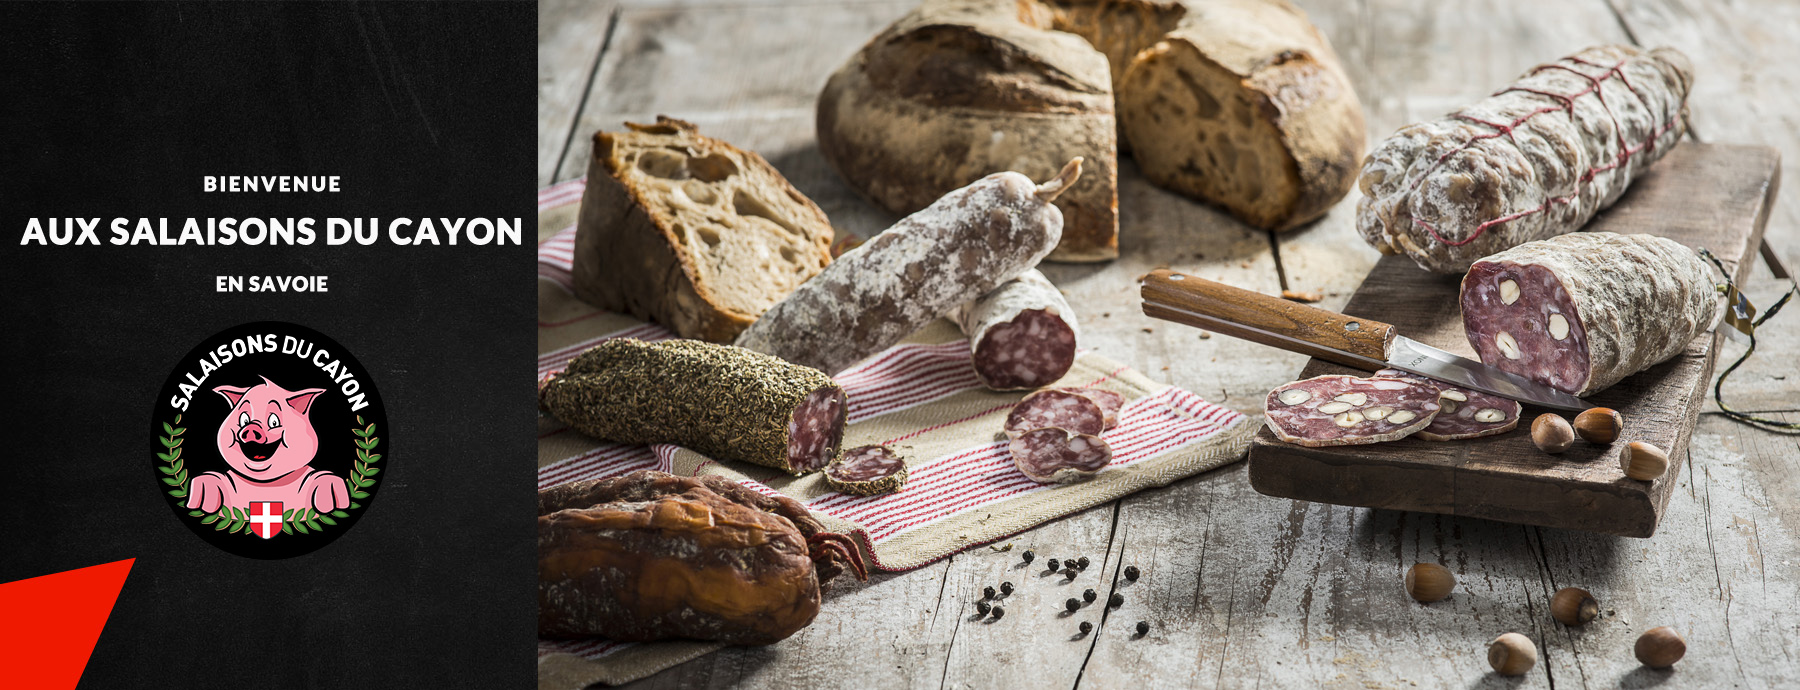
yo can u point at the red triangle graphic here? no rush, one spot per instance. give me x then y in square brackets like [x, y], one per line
[53, 621]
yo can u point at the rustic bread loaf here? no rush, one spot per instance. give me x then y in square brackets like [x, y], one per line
[1241, 103]
[691, 232]
[960, 89]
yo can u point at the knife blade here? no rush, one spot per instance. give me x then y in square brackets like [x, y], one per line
[1350, 341]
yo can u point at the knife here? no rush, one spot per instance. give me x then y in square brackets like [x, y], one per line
[1350, 341]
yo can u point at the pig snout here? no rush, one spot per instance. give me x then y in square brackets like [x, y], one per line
[254, 433]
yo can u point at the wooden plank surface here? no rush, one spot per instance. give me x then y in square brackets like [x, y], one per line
[1712, 196]
[1243, 589]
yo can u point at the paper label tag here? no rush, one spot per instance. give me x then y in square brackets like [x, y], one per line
[1739, 323]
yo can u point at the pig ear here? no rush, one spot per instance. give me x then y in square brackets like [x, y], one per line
[232, 394]
[303, 400]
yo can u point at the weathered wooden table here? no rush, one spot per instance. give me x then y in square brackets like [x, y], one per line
[1241, 589]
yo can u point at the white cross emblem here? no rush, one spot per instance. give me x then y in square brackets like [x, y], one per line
[265, 519]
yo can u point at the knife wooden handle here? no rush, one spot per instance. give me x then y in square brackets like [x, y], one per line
[1264, 319]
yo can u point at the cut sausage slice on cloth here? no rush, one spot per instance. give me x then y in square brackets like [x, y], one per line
[1110, 403]
[1059, 456]
[1057, 408]
[1580, 312]
[1465, 413]
[1022, 334]
[1346, 410]
[866, 471]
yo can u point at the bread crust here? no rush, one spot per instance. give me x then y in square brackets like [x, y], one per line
[1298, 93]
[632, 254]
[961, 88]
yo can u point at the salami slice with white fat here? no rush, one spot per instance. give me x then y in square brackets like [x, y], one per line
[1022, 334]
[924, 267]
[1464, 413]
[1110, 403]
[1346, 410]
[867, 470]
[1057, 408]
[1580, 312]
[1059, 456]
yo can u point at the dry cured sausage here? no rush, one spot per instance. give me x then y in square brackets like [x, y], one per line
[1346, 410]
[1465, 413]
[924, 267]
[1022, 334]
[657, 557]
[867, 470]
[1580, 312]
[1536, 160]
[725, 402]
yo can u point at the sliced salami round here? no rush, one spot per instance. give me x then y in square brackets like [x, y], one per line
[1059, 456]
[1464, 413]
[866, 471]
[1110, 403]
[1022, 333]
[1346, 410]
[1056, 408]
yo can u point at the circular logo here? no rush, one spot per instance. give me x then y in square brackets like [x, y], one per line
[269, 440]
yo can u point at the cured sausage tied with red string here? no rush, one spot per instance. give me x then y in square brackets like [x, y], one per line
[1535, 160]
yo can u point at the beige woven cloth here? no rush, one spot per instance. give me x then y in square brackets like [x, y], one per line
[921, 397]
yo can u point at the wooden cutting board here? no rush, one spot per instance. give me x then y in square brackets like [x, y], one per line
[1702, 195]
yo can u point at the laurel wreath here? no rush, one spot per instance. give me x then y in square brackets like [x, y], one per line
[306, 520]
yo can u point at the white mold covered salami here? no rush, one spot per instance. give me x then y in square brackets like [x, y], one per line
[1022, 334]
[1059, 456]
[866, 471]
[1464, 413]
[1058, 408]
[924, 267]
[1346, 410]
[1537, 159]
[1582, 311]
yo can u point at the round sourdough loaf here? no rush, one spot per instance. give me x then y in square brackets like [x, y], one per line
[1240, 103]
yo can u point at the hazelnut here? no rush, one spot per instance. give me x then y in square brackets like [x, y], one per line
[1429, 582]
[1660, 647]
[1599, 425]
[1512, 654]
[1573, 606]
[1643, 461]
[1552, 433]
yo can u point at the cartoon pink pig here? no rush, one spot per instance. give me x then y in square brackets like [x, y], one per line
[268, 439]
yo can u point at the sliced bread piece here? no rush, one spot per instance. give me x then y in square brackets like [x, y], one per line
[691, 232]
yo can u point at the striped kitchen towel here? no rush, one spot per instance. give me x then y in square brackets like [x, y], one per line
[920, 396]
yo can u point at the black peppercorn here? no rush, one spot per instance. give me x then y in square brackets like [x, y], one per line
[1086, 627]
[1054, 565]
[999, 612]
[1143, 627]
[1089, 596]
[1029, 555]
[1082, 563]
[1115, 601]
[982, 607]
[1072, 604]
[1131, 573]
[987, 592]
[1006, 588]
